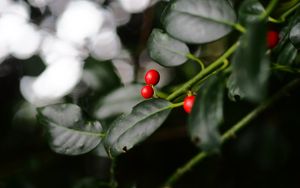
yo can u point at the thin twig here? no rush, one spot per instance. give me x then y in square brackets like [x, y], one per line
[231, 132]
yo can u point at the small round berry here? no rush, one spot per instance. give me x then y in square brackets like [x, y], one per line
[152, 77]
[188, 103]
[272, 39]
[147, 92]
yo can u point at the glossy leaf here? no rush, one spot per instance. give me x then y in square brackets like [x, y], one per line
[287, 55]
[285, 33]
[195, 21]
[250, 62]
[295, 35]
[250, 11]
[128, 130]
[207, 114]
[234, 92]
[118, 101]
[166, 50]
[69, 133]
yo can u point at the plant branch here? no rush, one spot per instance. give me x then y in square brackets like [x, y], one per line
[269, 9]
[208, 70]
[285, 14]
[175, 105]
[198, 84]
[289, 11]
[113, 182]
[285, 68]
[194, 58]
[239, 27]
[231, 132]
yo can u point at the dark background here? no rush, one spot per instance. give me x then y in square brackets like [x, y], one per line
[264, 154]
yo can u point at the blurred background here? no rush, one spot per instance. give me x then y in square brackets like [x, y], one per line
[82, 51]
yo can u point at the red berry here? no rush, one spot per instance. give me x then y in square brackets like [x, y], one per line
[272, 38]
[188, 103]
[152, 77]
[147, 92]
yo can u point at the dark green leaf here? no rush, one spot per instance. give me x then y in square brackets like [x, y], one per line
[166, 50]
[234, 92]
[295, 35]
[285, 33]
[287, 55]
[251, 64]
[195, 21]
[207, 114]
[118, 101]
[69, 133]
[250, 11]
[129, 130]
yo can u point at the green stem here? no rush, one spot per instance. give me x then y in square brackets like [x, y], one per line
[269, 9]
[273, 20]
[113, 181]
[194, 58]
[161, 94]
[288, 12]
[208, 70]
[285, 68]
[198, 84]
[231, 132]
[239, 27]
[175, 105]
[102, 135]
[236, 26]
[284, 15]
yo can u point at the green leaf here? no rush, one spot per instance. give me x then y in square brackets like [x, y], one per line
[295, 35]
[166, 50]
[285, 33]
[196, 21]
[128, 130]
[69, 133]
[118, 101]
[207, 114]
[250, 64]
[287, 55]
[250, 11]
[234, 92]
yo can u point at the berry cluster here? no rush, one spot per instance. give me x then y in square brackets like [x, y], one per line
[151, 79]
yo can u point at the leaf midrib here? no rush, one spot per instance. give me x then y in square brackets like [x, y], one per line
[224, 22]
[49, 123]
[135, 124]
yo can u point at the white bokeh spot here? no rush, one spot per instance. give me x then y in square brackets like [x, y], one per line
[80, 20]
[135, 6]
[105, 45]
[58, 79]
